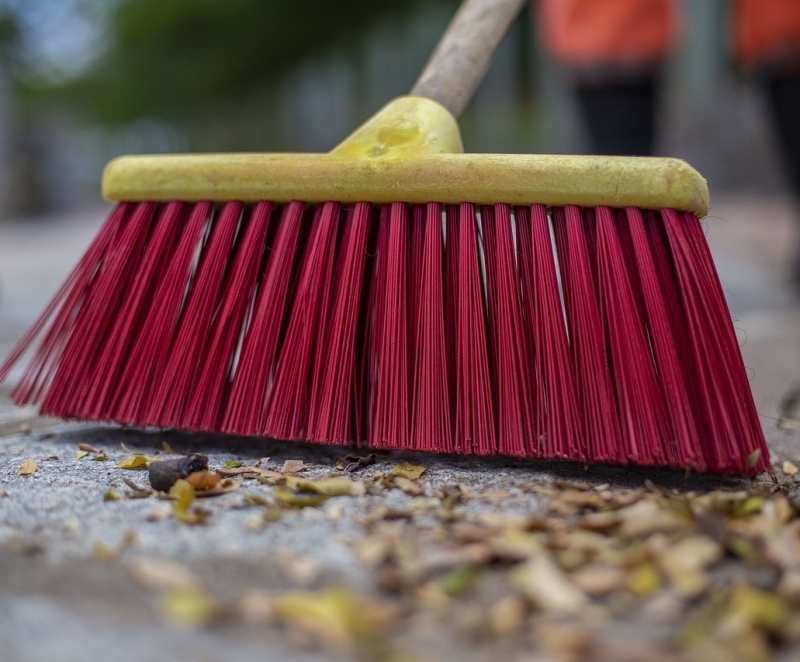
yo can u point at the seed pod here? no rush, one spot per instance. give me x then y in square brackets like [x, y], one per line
[163, 475]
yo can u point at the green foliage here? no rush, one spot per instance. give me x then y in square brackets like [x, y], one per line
[180, 57]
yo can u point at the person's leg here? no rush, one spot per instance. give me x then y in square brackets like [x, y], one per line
[620, 117]
[783, 92]
[784, 96]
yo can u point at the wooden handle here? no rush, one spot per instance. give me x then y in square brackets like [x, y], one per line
[463, 54]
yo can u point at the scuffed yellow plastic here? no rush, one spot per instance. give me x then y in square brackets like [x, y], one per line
[410, 151]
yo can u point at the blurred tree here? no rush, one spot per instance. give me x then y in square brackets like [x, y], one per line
[182, 58]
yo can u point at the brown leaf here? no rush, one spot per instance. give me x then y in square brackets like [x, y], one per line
[541, 582]
[685, 563]
[408, 486]
[162, 574]
[88, 448]
[598, 580]
[353, 462]
[27, 468]
[292, 466]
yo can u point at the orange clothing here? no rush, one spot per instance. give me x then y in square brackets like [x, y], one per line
[766, 30]
[618, 32]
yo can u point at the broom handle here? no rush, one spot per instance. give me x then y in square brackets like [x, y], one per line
[463, 54]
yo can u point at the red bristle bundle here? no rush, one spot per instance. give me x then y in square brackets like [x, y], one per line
[598, 335]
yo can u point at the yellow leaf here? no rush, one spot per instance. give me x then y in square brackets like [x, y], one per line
[329, 486]
[111, 495]
[789, 468]
[190, 606]
[162, 574]
[334, 618]
[103, 552]
[133, 462]
[299, 499]
[183, 493]
[27, 468]
[409, 471]
[80, 454]
[765, 610]
[644, 580]
[460, 580]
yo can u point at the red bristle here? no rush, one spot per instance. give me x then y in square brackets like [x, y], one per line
[451, 303]
[587, 339]
[334, 397]
[148, 356]
[559, 422]
[128, 326]
[474, 410]
[653, 282]
[191, 339]
[246, 408]
[67, 302]
[365, 334]
[418, 216]
[205, 408]
[729, 416]
[513, 388]
[430, 416]
[388, 368]
[640, 406]
[288, 399]
[76, 373]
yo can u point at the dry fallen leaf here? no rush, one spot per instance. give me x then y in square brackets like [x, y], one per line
[686, 561]
[88, 448]
[183, 493]
[190, 606]
[287, 497]
[292, 466]
[81, 454]
[27, 468]
[203, 480]
[334, 618]
[547, 587]
[162, 574]
[135, 462]
[170, 450]
[409, 471]
[111, 495]
[407, 485]
[789, 468]
[103, 552]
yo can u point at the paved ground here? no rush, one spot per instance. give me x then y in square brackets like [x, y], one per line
[69, 584]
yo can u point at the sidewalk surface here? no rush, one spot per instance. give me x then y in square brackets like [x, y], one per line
[84, 577]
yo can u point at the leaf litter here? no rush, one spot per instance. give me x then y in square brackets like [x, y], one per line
[719, 568]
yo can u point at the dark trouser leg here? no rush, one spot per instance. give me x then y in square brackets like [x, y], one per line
[620, 117]
[784, 96]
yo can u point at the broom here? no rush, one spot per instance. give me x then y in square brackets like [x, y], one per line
[538, 306]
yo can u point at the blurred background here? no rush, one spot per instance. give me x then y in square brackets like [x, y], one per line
[82, 81]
